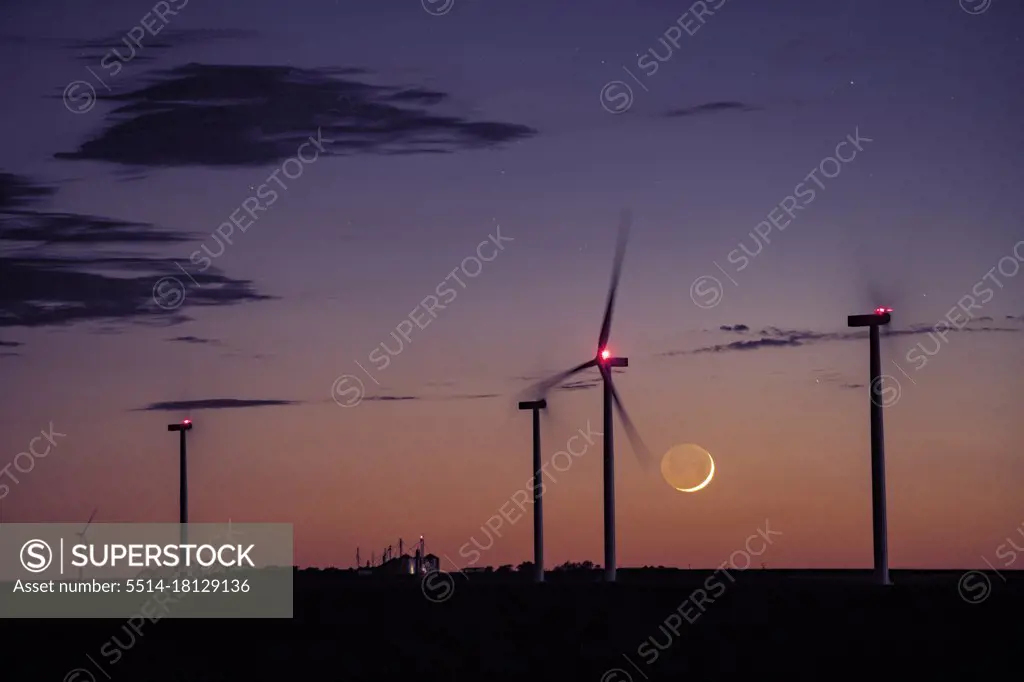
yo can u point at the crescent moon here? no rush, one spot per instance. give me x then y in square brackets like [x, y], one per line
[711, 474]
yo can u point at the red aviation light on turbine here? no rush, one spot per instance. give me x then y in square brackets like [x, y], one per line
[879, 317]
[605, 354]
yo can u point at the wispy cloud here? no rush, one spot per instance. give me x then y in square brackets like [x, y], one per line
[405, 398]
[213, 404]
[774, 337]
[193, 339]
[170, 38]
[579, 385]
[471, 396]
[710, 108]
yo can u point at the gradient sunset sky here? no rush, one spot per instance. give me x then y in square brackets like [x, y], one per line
[444, 122]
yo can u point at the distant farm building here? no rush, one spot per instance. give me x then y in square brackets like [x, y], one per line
[404, 564]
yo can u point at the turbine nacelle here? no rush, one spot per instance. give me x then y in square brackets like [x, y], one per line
[878, 318]
[606, 359]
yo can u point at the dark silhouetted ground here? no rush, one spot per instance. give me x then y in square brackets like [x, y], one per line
[766, 625]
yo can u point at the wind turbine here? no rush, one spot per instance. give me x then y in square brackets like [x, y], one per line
[182, 428]
[880, 317]
[879, 282]
[81, 535]
[605, 362]
[538, 511]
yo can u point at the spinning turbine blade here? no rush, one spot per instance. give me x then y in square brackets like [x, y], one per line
[639, 448]
[91, 517]
[625, 222]
[886, 289]
[880, 280]
[541, 389]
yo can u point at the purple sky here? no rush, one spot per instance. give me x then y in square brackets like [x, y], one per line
[516, 95]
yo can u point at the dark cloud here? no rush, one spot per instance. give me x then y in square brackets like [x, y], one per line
[193, 339]
[390, 398]
[735, 328]
[45, 229]
[852, 386]
[47, 282]
[710, 108]
[212, 404]
[10, 344]
[752, 344]
[18, 192]
[239, 116]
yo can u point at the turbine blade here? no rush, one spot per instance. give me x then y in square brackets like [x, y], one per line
[542, 388]
[625, 223]
[91, 517]
[643, 455]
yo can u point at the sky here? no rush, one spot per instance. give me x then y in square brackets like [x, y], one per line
[455, 171]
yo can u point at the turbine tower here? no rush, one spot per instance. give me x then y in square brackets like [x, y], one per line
[605, 362]
[538, 501]
[873, 321]
[182, 429]
[81, 535]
